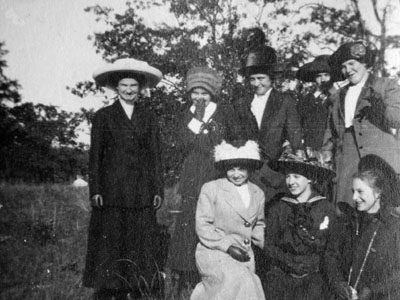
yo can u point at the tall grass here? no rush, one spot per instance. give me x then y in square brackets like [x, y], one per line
[43, 232]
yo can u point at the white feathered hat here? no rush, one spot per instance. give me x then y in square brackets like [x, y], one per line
[239, 153]
[111, 74]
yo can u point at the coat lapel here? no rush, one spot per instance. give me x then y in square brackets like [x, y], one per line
[365, 93]
[273, 105]
[120, 114]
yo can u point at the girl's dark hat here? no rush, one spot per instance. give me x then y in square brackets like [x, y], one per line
[260, 60]
[309, 163]
[391, 179]
[309, 71]
[110, 74]
[244, 154]
[358, 50]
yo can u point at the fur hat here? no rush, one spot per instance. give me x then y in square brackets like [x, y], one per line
[239, 153]
[385, 172]
[205, 78]
[309, 163]
[309, 71]
[358, 50]
[111, 74]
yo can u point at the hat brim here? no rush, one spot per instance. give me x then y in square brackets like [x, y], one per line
[309, 71]
[306, 170]
[251, 70]
[105, 76]
[250, 164]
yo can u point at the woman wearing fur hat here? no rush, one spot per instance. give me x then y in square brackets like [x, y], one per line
[313, 107]
[297, 228]
[203, 125]
[362, 260]
[125, 182]
[229, 219]
[365, 116]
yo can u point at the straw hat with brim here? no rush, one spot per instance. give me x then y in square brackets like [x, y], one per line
[245, 154]
[111, 74]
[309, 164]
[391, 179]
[309, 71]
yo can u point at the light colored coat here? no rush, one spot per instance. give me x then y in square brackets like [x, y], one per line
[376, 132]
[222, 220]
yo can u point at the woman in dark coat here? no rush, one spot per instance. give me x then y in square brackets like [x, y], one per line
[203, 126]
[362, 259]
[297, 228]
[125, 178]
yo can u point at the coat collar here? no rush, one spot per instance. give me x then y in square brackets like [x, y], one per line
[312, 199]
[273, 105]
[237, 204]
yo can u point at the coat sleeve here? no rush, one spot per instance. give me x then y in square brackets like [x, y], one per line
[257, 235]
[293, 124]
[209, 235]
[157, 155]
[96, 153]
[391, 99]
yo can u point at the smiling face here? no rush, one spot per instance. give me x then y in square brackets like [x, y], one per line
[128, 89]
[354, 70]
[366, 197]
[261, 83]
[237, 175]
[199, 96]
[299, 186]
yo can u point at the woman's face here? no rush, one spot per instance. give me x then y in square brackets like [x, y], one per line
[354, 70]
[298, 184]
[128, 89]
[199, 96]
[366, 197]
[237, 175]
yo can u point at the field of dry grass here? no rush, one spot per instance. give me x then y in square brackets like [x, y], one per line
[43, 232]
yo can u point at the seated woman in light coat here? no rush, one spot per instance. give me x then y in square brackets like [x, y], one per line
[229, 218]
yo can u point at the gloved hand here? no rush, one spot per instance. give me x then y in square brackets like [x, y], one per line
[199, 110]
[96, 201]
[364, 294]
[343, 290]
[238, 253]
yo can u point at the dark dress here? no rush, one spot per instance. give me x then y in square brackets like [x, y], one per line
[347, 249]
[313, 113]
[124, 168]
[295, 239]
[198, 168]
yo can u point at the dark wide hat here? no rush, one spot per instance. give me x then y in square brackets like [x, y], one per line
[385, 171]
[309, 71]
[261, 60]
[111, 74]
[310, 164]
[240, 153]
[358, 50]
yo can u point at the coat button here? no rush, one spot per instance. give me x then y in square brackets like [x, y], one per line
[246, 241]
[247, 224]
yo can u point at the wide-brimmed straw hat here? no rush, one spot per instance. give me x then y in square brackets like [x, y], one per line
[391, 180]
[309, 71]
[237, 153]
[308, 163]
[111, 74]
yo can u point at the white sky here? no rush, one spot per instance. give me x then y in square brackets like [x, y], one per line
[49, 49]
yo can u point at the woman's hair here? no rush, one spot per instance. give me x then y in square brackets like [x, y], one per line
[374, 178]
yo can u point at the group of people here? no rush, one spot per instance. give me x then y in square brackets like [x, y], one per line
[280, 199]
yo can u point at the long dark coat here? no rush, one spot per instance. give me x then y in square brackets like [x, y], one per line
[280, 122]
[125, 168]
[376, 130]
[198, 168]
[347, 248]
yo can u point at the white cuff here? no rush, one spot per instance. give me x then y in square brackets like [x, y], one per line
[195, 125]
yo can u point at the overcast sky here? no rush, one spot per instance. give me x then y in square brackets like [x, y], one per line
[49, 49]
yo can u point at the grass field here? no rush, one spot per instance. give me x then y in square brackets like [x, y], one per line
[43, 231]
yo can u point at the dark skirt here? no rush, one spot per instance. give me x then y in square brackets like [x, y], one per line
[124, 250]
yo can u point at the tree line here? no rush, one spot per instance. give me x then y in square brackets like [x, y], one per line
[38, 142]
